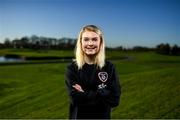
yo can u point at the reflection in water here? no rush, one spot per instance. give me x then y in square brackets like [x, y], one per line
[9, 59]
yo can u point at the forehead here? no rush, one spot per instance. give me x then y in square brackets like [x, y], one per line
[89, 34]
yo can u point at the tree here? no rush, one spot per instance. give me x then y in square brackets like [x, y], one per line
[24, 42]
[163, 49]
[7, 43]
[174, 50]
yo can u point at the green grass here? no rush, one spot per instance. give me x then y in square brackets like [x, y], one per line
[150, 87]
[37, 53]
[33, 91]
[150, 94]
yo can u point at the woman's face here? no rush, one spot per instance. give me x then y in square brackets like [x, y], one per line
[90, 43]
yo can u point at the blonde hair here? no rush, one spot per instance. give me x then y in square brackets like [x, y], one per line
[79, 54]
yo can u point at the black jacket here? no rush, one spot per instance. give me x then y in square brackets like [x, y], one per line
[101, 91]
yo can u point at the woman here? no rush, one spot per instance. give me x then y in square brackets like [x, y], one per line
[93, 84]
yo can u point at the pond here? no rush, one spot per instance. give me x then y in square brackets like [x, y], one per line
[10, 59]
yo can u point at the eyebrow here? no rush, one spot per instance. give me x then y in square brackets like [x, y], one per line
[89, 37]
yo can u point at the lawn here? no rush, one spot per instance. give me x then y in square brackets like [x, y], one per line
[150, 87]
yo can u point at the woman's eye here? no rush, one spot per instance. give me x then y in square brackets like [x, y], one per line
[85, 39]
[94, 39]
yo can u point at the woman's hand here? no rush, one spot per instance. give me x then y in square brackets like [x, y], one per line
[78, 88]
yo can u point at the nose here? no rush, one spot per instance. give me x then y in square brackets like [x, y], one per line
[90, 42]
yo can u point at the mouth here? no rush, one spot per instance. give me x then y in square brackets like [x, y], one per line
[90, 48]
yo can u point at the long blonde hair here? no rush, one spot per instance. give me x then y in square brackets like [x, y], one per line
[79, 54]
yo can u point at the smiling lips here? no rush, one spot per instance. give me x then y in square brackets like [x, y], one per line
[90, 48]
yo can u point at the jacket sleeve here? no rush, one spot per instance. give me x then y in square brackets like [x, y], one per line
[76, 97]
[111, 95]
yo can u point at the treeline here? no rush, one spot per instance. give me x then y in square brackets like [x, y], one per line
[166, 49]
[162, 48]
[46, 43]
[36, 42]
[135, 48]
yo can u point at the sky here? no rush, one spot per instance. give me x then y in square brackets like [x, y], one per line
[125, 23]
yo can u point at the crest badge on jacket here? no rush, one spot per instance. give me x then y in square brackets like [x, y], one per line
[103, 77]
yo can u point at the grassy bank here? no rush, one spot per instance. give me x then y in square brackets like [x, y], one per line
[37, 53]
[150, 88]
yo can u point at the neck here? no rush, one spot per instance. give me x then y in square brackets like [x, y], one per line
[89, 59]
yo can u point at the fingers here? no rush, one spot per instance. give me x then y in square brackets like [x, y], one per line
[78, 88]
